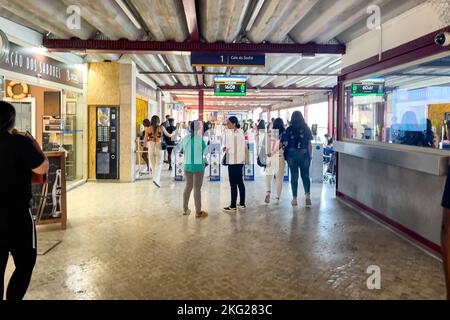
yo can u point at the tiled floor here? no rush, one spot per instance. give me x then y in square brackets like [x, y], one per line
[130, 241]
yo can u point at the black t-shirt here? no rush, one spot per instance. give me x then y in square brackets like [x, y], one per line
[170, 130]
[18, 157]
[446, 196]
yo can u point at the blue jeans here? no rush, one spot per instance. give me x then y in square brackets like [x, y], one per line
[299, 159]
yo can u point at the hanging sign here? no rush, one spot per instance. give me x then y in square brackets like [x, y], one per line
[228, 60]
[4, 46]
[230, 86]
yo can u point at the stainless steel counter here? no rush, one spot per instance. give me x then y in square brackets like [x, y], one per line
[422, 160]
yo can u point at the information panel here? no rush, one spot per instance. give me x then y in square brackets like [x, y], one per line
[230, 86]
[369, 87]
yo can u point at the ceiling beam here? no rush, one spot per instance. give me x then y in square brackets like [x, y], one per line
[265, 74]
[190, 11]
[139, 47]
[290, 88]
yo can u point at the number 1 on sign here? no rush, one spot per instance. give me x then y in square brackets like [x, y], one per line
[221, 57]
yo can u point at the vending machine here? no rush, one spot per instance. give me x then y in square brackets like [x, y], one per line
[107, 145]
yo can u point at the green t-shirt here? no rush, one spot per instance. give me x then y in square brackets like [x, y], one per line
[193, 148]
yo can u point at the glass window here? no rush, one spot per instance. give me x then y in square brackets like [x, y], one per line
[410, 106]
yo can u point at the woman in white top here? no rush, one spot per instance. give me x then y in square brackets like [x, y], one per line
[235, 159]
[153, 135]
[275, 162]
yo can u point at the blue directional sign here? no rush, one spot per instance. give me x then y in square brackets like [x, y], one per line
[227, 60]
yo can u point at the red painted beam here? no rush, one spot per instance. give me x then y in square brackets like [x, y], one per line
[237, 99]
[201, 106]
[126, 46]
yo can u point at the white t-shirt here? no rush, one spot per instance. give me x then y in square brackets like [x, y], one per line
[235, 144]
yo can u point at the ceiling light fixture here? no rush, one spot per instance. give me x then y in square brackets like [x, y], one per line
[335, 64]
[128, 13]
[254, 15]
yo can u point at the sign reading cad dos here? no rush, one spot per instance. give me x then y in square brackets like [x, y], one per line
[28, 62]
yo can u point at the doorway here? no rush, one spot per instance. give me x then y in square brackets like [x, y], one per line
[25, 114]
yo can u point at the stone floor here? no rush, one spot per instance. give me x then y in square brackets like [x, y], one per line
[130, 241]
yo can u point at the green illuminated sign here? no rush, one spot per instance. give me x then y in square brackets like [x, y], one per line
[367, 89]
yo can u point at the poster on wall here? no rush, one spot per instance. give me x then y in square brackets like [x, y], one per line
[49, 204]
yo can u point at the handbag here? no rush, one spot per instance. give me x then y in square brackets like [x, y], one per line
[163, 146]
[224, 159]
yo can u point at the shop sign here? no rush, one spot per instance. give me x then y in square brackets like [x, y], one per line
[144, 90]
[4, 46]
[27, 62]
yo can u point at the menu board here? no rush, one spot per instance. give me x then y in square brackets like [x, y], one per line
[49, 203]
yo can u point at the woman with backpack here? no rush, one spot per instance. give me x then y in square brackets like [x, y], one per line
[298, 151]
[193, 147]
[275, 162]
[154, 134]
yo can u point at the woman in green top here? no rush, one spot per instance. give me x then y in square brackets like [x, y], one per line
[194, 148]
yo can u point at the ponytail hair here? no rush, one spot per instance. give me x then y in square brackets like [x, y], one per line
[235, 121]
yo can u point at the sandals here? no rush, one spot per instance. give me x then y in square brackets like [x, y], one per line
[202, 214]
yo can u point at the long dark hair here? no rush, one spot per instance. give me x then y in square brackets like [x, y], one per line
[155, 122]
[278, 124]
[297, 121]
[298, 124]
[7, 116]
[261, 125]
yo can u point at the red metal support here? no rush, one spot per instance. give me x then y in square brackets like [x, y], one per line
[139, 47]
[201, 106]
[330, 114]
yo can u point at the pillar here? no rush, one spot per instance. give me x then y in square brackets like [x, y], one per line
[201, 101]
[331, 114]
[127, 122]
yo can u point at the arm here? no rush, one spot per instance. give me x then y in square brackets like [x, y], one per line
[164, 131]
[43, 168]
[310, 149]
[37, 159]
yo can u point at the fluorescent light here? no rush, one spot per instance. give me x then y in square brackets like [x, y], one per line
[254, 15]
[129, 14]
[335, 64]
[164, 62]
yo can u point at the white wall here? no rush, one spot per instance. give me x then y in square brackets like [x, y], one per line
[409, 26]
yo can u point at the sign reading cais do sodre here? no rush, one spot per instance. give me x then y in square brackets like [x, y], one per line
[29, 62]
